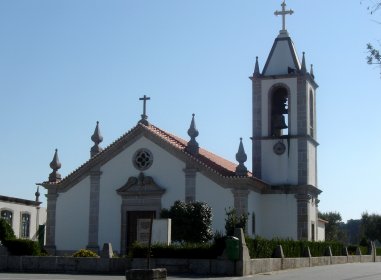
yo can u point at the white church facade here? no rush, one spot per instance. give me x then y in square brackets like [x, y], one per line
[148, 169]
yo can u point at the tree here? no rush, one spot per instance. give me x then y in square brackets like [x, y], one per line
[371, 226]
[233, 220]
[6, 231]
[354, 232]
[373, 53]
[191, 222]
[334, 230]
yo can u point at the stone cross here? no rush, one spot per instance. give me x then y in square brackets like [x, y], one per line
[144, 99]
[283, 13]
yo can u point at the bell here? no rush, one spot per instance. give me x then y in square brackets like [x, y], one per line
[278, 122]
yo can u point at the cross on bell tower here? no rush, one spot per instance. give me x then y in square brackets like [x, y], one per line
[283, 13]
[144, 115]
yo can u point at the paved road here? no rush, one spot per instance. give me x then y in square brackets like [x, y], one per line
[357, 271]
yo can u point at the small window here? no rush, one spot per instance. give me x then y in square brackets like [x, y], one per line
[312, 232]
[143, 159]
[8, 216]
[25, 225]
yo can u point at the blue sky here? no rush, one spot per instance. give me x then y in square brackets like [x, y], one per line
[66, 64]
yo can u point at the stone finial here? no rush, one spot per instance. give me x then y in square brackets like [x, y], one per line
[303, 69]
[256, 68]
[241, 157]
[96, 138]
[55, 165]
[312, 71]
[37, 194]
[192, 146]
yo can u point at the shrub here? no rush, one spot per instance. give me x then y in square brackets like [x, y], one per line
[191, 222]
[6, 231]
[264, 248]
[84, 253]
[233, 220]
[23, 247]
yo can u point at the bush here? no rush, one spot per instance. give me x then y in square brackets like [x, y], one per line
[233, 221]
[264, 248]
[191, 222]
[23, 247]
[84, 253]
[6, 231]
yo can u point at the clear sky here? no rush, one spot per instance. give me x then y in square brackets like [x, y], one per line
[66, 64]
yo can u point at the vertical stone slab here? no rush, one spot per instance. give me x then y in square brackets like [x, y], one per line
[95, 178]
[243, 265]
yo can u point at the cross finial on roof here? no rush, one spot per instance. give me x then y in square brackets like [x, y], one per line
[283, 13]
[144, 115]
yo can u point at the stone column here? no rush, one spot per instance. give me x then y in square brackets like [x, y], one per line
[302, 201]
[190, 184]
[50, 245]
[95, 178]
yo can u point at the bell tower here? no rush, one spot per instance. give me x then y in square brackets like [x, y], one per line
[284, 115]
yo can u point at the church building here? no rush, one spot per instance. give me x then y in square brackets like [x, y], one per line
[148, 169]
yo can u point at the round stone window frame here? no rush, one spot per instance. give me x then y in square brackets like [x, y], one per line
[142, 159]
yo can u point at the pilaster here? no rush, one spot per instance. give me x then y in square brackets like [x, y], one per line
[95, 178]
[50, 245]
[257, 127]
[190, 184]
[303, 201]
[241, 197]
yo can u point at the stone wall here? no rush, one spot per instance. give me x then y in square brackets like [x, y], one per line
[69, 265]
[119, 266]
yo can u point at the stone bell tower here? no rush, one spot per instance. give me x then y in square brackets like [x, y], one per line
[284, 133]
[284, 116]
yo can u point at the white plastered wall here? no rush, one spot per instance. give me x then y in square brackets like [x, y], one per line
[278, 216]
[217, 197]
[255, 206]
[166, 170]
[72, 217]
[280, 169]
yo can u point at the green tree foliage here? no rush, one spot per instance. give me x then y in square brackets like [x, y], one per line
[23, 247]
[334, 230]
[371, 226]
[6, 231]
[233, 220]
[354, 232]
[373, 56]
[191, 222]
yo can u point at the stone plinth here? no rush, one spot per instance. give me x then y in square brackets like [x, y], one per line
[146, 274]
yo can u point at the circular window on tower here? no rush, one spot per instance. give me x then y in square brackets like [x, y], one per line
[143, 159]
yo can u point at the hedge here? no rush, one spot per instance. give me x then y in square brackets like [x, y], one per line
[23, 247]
[264, 248]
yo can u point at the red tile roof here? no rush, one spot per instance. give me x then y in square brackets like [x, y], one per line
[211, 161]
